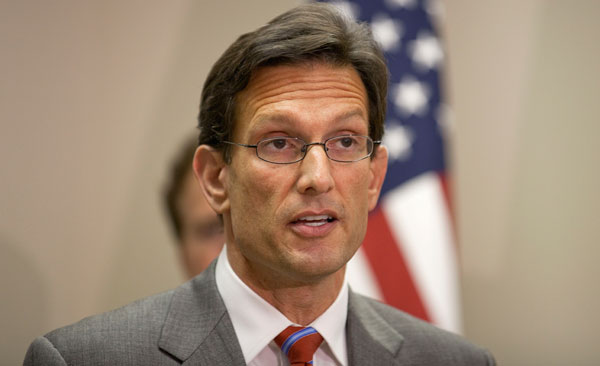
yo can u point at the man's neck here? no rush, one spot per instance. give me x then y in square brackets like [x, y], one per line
[301, 301]
[303, 304]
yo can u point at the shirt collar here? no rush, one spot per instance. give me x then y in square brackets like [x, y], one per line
[256, 322]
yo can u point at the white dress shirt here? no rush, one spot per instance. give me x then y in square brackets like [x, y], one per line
[257, 323]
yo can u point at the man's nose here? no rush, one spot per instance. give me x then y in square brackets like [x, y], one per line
[315, 171]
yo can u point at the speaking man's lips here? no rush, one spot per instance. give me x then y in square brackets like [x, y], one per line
[314, 220]
[313, 224]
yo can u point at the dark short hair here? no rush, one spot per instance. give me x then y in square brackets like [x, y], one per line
[180, 169]
[307, 33]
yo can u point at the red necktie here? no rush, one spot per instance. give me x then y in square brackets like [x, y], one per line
[299, 344]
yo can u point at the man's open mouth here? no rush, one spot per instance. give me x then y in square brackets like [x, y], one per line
[316, 220]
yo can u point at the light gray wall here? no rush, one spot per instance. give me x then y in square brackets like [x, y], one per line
[95, 96]
[525, 81]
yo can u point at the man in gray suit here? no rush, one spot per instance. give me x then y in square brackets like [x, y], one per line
[291, 120]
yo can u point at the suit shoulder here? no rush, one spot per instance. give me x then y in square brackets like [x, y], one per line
[422, 340]
[42, 352]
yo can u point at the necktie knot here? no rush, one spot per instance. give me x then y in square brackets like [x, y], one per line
[299, 344]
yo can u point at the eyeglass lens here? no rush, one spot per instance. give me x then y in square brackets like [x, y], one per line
[290, 149]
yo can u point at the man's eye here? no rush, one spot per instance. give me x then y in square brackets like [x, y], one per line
[347, 141]
[279, 143]
[344, 143]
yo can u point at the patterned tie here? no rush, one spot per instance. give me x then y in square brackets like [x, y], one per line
[299, 344]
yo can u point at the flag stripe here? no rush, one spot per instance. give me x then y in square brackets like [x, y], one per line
[413, 210]
[446, 185]
[387, 262]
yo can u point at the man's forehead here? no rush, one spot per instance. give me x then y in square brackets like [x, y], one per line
[281, 85]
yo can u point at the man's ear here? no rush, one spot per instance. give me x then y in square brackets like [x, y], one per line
[378, 169]
[211, 171]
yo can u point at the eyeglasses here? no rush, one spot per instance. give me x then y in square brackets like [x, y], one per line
[288, 150]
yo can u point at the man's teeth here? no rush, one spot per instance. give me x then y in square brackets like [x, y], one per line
[316, 220]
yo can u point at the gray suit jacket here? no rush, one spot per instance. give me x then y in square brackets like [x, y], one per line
[190, 325]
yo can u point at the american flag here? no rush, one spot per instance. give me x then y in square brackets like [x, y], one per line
[408, 258]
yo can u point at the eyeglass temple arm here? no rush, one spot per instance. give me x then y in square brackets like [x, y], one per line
[237, 143]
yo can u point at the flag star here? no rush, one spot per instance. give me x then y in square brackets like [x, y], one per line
[411, 96]
[426, 51]
[387, 32]
[394, 4]
[398, 140]
[350, 9]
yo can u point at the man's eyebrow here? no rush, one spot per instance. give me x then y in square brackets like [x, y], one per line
[351, 114]
[273, 117]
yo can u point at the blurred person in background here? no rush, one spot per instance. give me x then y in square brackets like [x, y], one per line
[197, 228]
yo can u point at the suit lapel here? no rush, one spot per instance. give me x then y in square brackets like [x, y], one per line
[220, 347]
[371, 341]
[197, 329]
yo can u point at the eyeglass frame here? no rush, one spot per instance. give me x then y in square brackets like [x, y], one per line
[306, 146]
